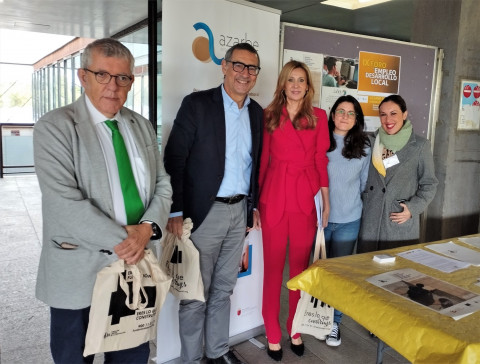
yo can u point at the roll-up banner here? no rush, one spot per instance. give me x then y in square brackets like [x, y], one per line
[195, 36]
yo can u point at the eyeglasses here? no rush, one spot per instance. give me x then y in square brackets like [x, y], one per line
[105, 77]
[342, 113]
[239, 67]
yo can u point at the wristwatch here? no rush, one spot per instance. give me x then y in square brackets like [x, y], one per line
[157, 233]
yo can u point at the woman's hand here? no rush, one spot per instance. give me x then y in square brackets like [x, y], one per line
[326, 206]
[325, 215]
[401, 217]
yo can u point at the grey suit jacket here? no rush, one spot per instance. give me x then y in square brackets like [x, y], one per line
[77, 205]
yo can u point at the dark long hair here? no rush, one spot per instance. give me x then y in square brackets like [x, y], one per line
[397, 99]
[356, 139]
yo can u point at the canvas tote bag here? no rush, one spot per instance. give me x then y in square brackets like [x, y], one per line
[181, 260]
[125, 305]
[313, 317]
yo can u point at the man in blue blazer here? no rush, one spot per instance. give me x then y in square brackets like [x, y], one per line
[212, 156]
[84, 215]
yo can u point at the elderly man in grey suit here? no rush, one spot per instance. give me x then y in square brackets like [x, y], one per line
[87, 189]
[212, 156]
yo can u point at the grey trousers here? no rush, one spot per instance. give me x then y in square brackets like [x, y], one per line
[219, 240]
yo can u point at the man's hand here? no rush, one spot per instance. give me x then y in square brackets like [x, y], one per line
[257, 225]
[131, 250]
[401, 217]
[175, 225]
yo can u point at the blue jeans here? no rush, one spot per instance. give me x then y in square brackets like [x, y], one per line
[340, 239]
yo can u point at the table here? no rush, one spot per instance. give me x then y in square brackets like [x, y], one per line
[418, 333]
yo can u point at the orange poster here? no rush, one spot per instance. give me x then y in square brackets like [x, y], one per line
[378, 73]
[370, 107]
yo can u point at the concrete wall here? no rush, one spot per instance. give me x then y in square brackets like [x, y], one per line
[453, 25]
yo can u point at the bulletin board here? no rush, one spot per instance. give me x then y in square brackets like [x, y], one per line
[416, 70]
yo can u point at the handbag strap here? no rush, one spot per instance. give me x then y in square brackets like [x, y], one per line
[320, 250]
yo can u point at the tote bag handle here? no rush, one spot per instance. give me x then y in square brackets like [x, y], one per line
[320, 251]
[136, 289]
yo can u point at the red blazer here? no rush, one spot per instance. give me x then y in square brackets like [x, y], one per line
[293, 167]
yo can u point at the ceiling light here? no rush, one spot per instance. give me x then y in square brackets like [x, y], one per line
[34, 27]
[353, 4]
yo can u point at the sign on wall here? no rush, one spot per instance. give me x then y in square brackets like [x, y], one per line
[378, 73]
[469, 111]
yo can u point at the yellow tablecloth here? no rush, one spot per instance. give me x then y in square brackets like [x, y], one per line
[420, 334]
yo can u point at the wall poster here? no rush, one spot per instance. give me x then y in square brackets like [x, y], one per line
[469, 111]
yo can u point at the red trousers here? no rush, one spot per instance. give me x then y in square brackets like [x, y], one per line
[298, 230]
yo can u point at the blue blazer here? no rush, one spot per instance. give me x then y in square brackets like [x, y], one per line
[195, 154]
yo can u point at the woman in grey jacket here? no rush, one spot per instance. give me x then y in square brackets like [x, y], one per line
[401, 181]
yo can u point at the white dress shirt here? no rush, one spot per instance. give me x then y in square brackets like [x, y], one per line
[105, 137]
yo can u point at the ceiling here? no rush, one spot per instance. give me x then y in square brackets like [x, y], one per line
[391, 20]
[100, 18]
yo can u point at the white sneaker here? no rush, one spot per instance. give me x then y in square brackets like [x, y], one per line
[334, 337]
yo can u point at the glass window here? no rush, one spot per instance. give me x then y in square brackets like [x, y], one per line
[135, 43]
[138, 98]
[49, 92]
[61, 83]
[44, 91]
[77, 89]
[15, 93]
[68, 81]
[58, 85]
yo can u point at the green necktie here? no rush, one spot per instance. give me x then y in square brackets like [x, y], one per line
[133, 203]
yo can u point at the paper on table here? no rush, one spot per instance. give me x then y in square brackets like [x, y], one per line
[475, 241]
[456, 251]
[433, 260]
[433, 293]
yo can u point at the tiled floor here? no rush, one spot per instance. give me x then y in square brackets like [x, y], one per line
[24, 321]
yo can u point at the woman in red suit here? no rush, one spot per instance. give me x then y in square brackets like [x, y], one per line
[293, 168]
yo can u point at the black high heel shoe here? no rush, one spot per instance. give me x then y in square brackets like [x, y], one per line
[297, 349]
[275, 354]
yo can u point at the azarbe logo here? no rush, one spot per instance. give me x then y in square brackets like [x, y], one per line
[203, 48]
